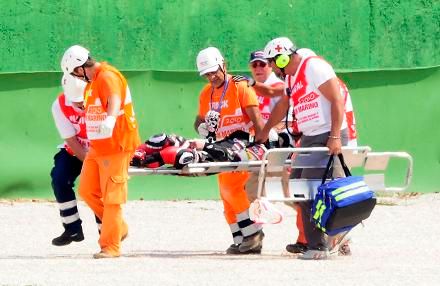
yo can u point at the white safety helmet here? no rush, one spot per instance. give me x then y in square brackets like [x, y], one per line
[279, 46]
[73, 88]
[209, 60]
[74, 57]
[304, 52]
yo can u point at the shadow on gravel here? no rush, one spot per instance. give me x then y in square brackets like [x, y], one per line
[204, 254]
[157, 254]
[43, 257]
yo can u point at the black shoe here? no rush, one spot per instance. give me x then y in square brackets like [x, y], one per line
[253, 242]
[297, 247]
[67, 237]
[234, 250]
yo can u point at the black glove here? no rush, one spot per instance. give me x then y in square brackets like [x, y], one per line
[285, 140]
[238, 78]
[218, 153]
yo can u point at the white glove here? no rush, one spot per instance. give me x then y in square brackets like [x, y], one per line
[273, 135]
[212, 119]
[106, 127]
[203, 130]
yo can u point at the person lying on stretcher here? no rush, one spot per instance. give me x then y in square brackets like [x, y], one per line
[163, 149]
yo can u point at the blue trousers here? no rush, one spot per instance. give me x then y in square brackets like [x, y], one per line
[64, 173]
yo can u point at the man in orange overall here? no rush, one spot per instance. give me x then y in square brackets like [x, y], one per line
[226, 106]
[113, 133]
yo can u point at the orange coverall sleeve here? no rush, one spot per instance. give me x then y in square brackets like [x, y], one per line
[246, 95]
[204, 102]
[109, 84]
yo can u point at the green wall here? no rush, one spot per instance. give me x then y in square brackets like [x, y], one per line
[396, 111]
[156, 42]
[166, 35]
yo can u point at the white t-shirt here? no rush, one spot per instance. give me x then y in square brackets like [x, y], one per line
[316, 120]
[317, 70]
[305, 53]
[64, 126]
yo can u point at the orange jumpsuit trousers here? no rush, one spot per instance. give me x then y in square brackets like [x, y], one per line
[233, 194]
[103, 186]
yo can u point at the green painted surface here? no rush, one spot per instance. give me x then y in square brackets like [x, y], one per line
[166, 35]
[399, 111]
[396, 111]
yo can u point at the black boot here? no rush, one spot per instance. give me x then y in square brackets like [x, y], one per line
[234, 249]
[297, 247]
[253, 242]
[67, 237]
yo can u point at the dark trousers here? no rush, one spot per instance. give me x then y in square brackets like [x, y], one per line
[64, 173]
[315, 237]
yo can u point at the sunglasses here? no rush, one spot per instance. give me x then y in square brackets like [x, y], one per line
[259, 64]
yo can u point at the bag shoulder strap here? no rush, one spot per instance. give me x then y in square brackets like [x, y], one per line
[330, 165]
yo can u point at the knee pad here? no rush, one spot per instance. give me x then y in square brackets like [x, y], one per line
[218, 153]
[157, 143]
[185, 157]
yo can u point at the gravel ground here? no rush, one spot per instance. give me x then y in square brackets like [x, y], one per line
[183, 243]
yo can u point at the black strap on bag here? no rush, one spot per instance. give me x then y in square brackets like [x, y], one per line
[330, 165]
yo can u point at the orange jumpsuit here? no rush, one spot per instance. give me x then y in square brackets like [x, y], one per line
[299, 224]
[104, 175]
[233, 117]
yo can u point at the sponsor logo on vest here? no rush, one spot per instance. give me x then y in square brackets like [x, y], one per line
[232, 120]
[305, 107]
[215, 104]
[223, 134]
[95, 113]
[95, 109]
[297, 87]
[308, 97]
[96, 117]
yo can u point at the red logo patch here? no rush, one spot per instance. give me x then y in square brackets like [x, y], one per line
[308, 97]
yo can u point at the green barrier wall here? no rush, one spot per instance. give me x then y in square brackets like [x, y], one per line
[157, 41]
[396, 111]
[167, 34]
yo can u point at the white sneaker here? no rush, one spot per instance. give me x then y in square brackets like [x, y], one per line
[315, 254]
